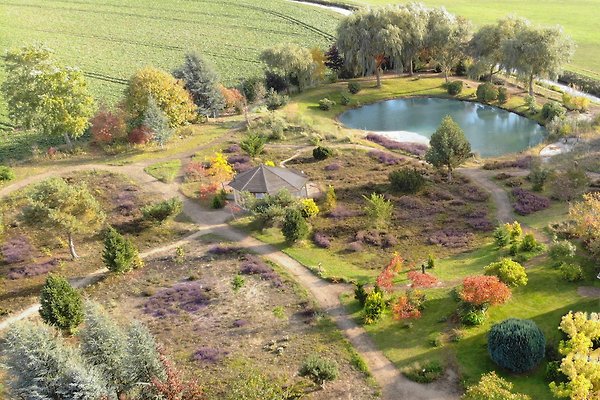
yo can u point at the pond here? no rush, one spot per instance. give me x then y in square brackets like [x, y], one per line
[490, 130]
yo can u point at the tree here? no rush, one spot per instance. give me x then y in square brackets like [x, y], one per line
[449, 146]
[516, 344]
[508, 271]
[492, 387]
[537, 53]
[292, 61]
[143, 364]
[61, 304]
[330, 199]
[60, 207]
[167, 91]
[586, 214]
[333, 60]
[42, 366]
[156, 120]
[412, 20]
[202, 82]
[379, 210]
[294, 226]
[368, 38]
[320, 68]
[487, 45]
[120, 255]
[46, 97]
[447, 39]
[484, 291]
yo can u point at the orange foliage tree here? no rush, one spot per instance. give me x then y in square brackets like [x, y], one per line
[405, 309]
[424, 280]
[234, 99]
[484, 290]
[386, 277]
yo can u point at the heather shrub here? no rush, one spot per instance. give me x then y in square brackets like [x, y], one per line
[294, 227]
[209, 355]
[16, 249]
[6, 174]
[417, 149]
[332, 167]
[522, 163]
[341, 212]
[510, 272]
[406, 180]
[516, 344]
[487, 92]
[61, 305]
[354, 87]
[454, 87]
[527, 202]
[161, 211]
[31, 270]
[120, 255]
[571, 272]
[254, 265]
[326, 104]
[322, 153]
[450, 237]
[224, 250]
[321, 240]
[552, 109]
[384, 158]
[185, 296]
[319, 370]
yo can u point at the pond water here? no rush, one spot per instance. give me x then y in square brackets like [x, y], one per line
[490, 130]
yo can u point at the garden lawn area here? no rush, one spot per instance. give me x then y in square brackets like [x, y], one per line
[576, 17]
[164, 171]
[545, 299]
[130, 34]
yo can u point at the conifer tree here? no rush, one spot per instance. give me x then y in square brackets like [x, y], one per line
[157, 121]
[61, 304]
[120, 254]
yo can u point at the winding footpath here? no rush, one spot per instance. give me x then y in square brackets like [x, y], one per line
[327, 295]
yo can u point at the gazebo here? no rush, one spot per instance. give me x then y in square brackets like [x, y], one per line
[263, 180]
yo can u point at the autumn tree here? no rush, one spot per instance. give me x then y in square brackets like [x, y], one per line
[291, 61]
[333, 60]
[63, 208]
[537, 53]
[484, 291]
[168, 92]
[44, 96]
[586, 214]
[367, 39]
[107, 126]
[449, 147]
[202, 82]
[447, 39]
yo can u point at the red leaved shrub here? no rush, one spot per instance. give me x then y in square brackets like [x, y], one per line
[420, 279]
[405, 309]
[484, 290]
[107, 126]
[386, 277]
[140, 135]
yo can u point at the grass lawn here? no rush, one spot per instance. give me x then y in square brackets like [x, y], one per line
[575, 16]
[164, 171]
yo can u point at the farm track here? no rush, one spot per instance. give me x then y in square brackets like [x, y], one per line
[393, 384]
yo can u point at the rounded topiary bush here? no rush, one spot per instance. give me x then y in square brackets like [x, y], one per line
[516, 344]
[552, 109]
[454, 87]
[322, 153]
[487, 92]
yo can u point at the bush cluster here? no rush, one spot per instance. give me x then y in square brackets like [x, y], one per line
[322, 153]
[120, 255]
[6, 174]
[319, 370]
[326, 104]
[527, 202]
[571, 272]
[406, 180]
[454, 88]
[552, 109]
[508, 271]
[487, 92]
[161, 211]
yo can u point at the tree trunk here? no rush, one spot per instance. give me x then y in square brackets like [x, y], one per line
[449, 174]
[411, 71]
[74, 254]
[446, 75]
[68, 141]
[378, 76]
[531, 85]
[423, 268]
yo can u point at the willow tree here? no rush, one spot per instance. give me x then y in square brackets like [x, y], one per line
[537, 53]
[369, 38]
[412, 20]
[447, 39]
[292, 61]
[487, 45]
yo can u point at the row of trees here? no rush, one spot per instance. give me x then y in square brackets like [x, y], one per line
[400, 36]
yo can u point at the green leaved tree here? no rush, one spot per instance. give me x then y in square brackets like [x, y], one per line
[449, 146]
[61, 304]
[63, 208]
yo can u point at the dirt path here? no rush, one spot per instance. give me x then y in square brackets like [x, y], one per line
[504, 210]
[393, 384]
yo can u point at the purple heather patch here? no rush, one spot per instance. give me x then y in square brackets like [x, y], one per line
[527, 202]
[254, 265]
[186, 296]
[341, 212]
[417, 149]
[321, 240]
[332, 167]
[29, 271]
[385, 158]
[223, 249]
[16, 249]
[452, 238]
[209, 355]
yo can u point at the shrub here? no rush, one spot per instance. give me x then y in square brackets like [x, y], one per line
[360, 294]
[374, 306]
[319, 370]
[516, 344]
[326, 104]
[161, 211]
[321, 240]
[424, 373]
[275, 101]
[322, 153]
[294, 226]
[107, 126]
[578, 103]
[454, 87]
[237, 282]
[484, 290]
[417, 149]
[404, 308]
[552, 109]
[354, 87]
[419, 279]
[492, 387]
[570, 184]
[6, 174]
[529, 243]
[571, 272]
[487, 92]
[527, 202]
[308, 208]
[120, 255]
[253, 144]
[503, 95]
[61, 305]
[538, 177]
[379, 210]
[140, 135]
[384, 157]
[501, 236]
[344, 99]
[531, 104]
[472, 316]
[406, 180]
[510, 272]
[562, 250]
[219, 200]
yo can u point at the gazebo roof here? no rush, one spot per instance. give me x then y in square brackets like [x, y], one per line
[266, 179]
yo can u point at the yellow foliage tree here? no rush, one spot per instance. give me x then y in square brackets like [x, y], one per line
[220, 170]
[167, 91]
[586, 215]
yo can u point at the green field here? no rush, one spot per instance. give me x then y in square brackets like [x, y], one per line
[580, 19]
[110, 39]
